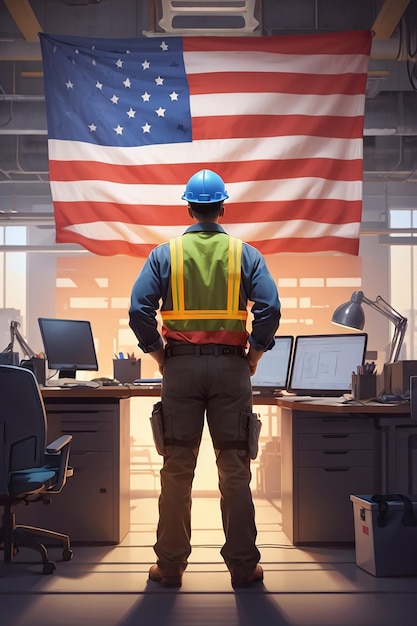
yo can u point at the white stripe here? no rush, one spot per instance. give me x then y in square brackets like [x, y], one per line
[154, 235]
[207, 62]
[167, 195]
[276, 104]
[294, 147]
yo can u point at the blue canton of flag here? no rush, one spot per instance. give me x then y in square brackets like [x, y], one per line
[116, 92]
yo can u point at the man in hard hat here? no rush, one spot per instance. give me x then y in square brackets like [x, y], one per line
[205, 279]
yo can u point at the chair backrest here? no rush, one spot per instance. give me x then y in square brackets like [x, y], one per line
[23, 429]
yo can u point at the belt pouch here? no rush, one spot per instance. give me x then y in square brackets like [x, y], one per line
[255, 425]
[157, 427]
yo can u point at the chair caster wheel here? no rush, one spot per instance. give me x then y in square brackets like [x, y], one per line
[67, 555]
[49, 568]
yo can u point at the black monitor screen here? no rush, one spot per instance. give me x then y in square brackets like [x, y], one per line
[68, 345]
[323, 364]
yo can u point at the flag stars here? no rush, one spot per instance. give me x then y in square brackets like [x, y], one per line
[114, 99]
[118, 130]
[146, 128]
[127, 83]
[164, 46]
[159, 81]
[69, 84]
[93, 62]
[92, 128]
[131, 112]
[119, 63]
[146, 96]
[173, 96]
[146, 65]
[99, 85]
[160, 112]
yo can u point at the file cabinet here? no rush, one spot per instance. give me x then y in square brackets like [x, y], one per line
[325, 459]
[94, 506]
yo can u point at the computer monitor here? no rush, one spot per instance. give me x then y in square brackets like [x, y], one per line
[271, 375]
[322, 365]
[68, 345]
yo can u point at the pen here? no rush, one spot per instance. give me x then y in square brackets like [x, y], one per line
[121, 355]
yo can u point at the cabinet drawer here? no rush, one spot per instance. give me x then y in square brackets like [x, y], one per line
[333, 424]
[336, 458]
[90, 460]
[334, 441]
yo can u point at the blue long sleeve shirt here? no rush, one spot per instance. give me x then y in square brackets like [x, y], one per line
[152, 286]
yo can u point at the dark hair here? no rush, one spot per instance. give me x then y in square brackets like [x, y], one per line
[206, 210]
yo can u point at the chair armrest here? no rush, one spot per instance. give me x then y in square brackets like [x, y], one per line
[57, 455]
[57, 445]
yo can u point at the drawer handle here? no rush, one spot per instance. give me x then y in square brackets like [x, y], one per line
[335, 451]
[336, 469]
[334, 436]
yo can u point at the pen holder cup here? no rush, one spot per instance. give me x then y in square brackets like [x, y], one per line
[364, 386]
[126, 370]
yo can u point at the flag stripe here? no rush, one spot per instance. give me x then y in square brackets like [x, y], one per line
[252, 170]
[279, 118]
[325, 210]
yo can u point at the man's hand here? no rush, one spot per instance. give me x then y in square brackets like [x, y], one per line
[159, 356]
[253, 357]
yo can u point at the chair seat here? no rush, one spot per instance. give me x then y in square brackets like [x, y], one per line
[30, 481]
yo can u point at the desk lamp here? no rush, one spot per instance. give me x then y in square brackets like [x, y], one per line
[351, 314]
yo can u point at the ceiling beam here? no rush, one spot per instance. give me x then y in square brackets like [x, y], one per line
[388, 18]
[25, 19]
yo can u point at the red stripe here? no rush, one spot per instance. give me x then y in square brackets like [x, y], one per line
[276, 82]
[321, 211]
[353, 42]
[331, 169]
[247, 126]
[274, 246]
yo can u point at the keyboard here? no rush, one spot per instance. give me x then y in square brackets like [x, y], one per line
[71, 382]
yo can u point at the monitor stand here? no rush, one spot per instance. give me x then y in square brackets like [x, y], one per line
[67, 373]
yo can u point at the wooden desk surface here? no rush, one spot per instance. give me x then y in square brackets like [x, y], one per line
[123, 391]
[333, 405]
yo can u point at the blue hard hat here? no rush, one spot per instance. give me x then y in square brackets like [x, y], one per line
[205, 186]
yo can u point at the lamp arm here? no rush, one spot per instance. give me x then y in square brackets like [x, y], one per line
[15, 333]
[400, 323]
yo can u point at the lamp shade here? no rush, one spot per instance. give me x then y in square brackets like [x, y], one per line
[350, 313]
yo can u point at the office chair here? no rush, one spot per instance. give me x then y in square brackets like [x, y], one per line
[30, 470]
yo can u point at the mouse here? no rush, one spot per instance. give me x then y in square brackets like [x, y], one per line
[106, 382]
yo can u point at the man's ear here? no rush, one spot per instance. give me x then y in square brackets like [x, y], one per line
[190, 212]
[221, 212]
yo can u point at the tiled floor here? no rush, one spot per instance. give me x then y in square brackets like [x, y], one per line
[108, 586]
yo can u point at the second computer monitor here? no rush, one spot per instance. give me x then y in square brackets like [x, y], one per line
[271, 375]
[322, 365]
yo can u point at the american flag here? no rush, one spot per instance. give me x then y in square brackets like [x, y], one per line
[280, 119]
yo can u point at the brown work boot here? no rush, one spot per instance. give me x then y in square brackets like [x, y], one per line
[171, 578]
[257, 576]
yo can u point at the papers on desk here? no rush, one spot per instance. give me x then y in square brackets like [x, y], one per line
[71, 382]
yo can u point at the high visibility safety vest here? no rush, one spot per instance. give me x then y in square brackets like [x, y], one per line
[205, 290]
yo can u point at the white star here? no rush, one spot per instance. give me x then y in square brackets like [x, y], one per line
[159, 81]
[173, 95]
[92, 128]
[119, 63]
[77, 51]
[146, 65]
[69, 84]
[93, 62]
[160, 112]
[114, 99]
[163, 46]
[99, 85]
[146, 97]
[118, 130]
[146, 128]
[127, 83]
[131, 112]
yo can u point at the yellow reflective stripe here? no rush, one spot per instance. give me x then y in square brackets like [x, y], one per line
[177, 274]
[202, 315]
[233, 281]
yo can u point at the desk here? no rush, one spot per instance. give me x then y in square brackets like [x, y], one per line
[331, 450]
[94, 506]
